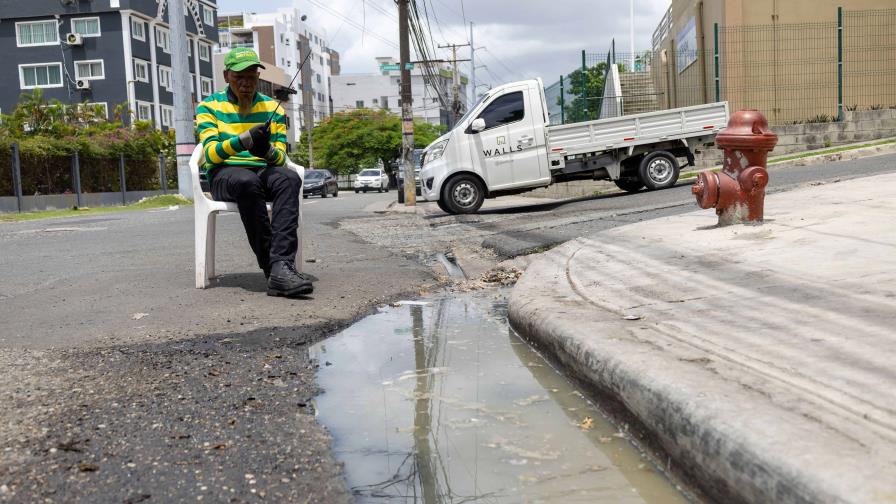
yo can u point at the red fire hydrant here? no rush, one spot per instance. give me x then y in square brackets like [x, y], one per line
[738, 191]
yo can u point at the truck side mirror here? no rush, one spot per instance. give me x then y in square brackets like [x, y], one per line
[477, 125]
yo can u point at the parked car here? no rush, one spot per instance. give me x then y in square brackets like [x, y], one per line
[370, 179]
[320, 182]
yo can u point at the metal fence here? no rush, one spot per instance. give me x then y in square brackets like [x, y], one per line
[23, 175]
[793, 73]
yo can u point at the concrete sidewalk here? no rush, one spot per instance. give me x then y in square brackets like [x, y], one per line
[762, 359]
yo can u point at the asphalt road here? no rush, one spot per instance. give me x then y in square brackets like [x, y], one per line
[124, 383]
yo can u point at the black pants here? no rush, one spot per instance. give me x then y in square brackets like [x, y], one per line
[272, 239]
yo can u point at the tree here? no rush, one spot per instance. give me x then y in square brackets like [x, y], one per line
[348, 142]
[588, 94]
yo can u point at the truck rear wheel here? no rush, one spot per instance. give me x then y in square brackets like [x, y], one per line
[629, 184]
[463, 194]
[658, 170]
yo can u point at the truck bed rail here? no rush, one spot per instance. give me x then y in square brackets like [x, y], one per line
[619, 132]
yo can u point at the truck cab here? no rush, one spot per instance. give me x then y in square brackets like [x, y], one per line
[498, 147]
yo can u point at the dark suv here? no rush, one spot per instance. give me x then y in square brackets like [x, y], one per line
[320, 183]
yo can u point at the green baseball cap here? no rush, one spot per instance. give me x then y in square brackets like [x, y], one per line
[241, 58]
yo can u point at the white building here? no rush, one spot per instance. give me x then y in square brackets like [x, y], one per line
[381, 91]
[283, 39]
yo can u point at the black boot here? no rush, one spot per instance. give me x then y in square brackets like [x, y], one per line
[286, 281]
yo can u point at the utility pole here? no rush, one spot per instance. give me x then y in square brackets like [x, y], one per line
[183, 106]
[455, 103]
[310, 129]
[407, 114]
[472, 67]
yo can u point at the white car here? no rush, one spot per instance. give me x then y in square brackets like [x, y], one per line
[370, 179]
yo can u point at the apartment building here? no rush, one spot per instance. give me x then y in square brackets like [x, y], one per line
[380, 90]
[282, 38]
[105, 52]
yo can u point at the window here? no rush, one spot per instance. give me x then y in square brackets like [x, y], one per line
[165, 77]
[163, 39]
[321, 60]
[208, 16]
[167, 116]
[318, 78]
[45, 75]
[138, 29]
[89, 70]
[86, 27]
[385, 101]
[36, 33]
[144, 111]
[206, 84]
[287, 41]
[504, 110]
[359, 104]
[289, 63]
[204, 52]
[376, 101]
[141, 70]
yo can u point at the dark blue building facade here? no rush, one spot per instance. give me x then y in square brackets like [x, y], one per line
[107, 52]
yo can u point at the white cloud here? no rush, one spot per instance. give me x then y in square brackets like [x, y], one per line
[524, 38]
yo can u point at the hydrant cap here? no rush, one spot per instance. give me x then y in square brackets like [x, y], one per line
[747, 129]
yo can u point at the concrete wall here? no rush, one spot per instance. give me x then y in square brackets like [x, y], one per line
[786, 62]
[61, 201]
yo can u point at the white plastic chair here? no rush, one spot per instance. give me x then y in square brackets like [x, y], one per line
[205, 211]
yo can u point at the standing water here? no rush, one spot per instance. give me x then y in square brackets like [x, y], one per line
[440, 401]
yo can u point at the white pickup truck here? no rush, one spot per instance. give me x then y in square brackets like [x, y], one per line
[504, 145]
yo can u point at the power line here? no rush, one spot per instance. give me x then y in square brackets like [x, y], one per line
[353, 24]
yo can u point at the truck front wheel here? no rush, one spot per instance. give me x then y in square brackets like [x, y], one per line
[463, 194]
[629, 184]
[658, 170]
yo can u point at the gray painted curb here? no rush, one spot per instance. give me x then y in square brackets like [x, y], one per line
[764, 455]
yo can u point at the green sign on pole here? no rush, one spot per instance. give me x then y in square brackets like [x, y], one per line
[396, 67]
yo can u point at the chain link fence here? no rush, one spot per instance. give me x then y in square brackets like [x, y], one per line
[793, 73]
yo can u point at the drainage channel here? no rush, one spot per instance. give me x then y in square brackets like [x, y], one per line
[440, 401]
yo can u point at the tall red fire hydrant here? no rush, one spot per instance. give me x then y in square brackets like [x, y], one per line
[738, 191]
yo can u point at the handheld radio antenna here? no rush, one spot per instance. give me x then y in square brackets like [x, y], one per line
[289, 89]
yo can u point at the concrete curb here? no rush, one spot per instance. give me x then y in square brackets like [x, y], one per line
[720, 367]
[730, 456]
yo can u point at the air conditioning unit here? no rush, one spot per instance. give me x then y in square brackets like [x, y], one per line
[74, 39]
[82, 84]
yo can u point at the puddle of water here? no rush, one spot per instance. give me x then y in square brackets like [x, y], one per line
[442, 402]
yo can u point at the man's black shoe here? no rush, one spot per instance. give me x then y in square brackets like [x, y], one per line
[286, 281]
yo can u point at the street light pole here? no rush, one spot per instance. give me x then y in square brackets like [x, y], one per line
[183, 107]
[631, 32]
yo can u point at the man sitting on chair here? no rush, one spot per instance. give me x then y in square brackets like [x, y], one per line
[244, 156]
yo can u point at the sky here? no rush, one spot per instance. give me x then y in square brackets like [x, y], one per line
[522, 38]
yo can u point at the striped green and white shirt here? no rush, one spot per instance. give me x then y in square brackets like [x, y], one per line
[219, 125]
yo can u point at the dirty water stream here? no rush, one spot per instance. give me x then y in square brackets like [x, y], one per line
[439, 401]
